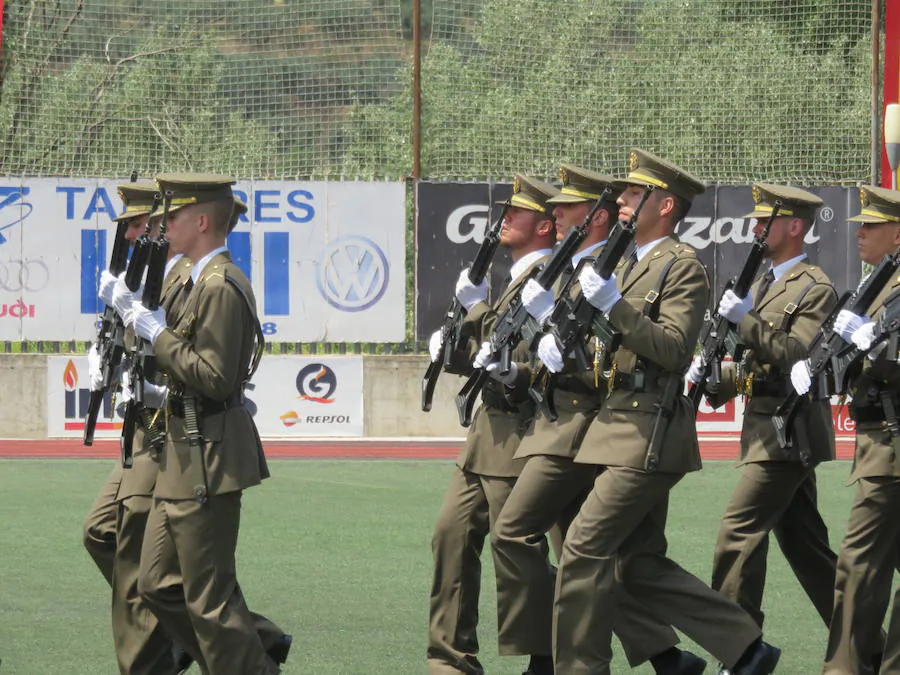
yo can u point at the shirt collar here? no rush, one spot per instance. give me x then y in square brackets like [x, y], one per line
[526, 261]
[200, 264]
[171, 263]
[641, 251]
[782, 269]
[578, 255]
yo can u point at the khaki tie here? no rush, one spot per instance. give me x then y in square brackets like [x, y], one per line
[632, 261]
[767, 280]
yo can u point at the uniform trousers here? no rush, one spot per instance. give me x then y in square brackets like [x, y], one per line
[870, 552]
[206, 612]
[99, 531]
[617, 543]
[777, 497]
[471, 505]
[550, 490]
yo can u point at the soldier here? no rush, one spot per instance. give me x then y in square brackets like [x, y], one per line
[485, 472]
[644, 440]
[777, 488]
[869, 550]
[552, 486]
[212, 451]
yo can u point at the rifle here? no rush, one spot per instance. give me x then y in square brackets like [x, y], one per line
[827, 344]
[516, 323]
[720, 337]
[453, 317]
[141, 355]
[574, 318]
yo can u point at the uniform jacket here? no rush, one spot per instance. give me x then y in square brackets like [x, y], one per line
[876, 455]
[577, 396]
[497, 430]
[774, 352]
[140, 479]
[206, 351]
[620, 435]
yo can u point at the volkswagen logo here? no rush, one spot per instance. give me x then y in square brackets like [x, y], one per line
[352, 274]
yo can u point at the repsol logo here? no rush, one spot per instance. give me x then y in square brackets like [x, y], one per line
[700, 232]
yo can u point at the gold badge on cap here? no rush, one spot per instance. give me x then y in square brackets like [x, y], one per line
[863, 198]
[563, 176]
[517, 186]
[757, 194]
[632, 161]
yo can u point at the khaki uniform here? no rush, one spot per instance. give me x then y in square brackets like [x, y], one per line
[870, 550]
[483, 478]
[550, 490]
[617, 540]
[99, 529]
[777, 490]
[182, 532]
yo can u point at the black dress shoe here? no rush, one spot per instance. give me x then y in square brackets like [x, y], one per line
[279, 651]
[690, 664]
[759, 659]
[183, 660]
[540, 665]
[676, 661]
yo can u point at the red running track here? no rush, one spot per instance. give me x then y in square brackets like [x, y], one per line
[323, 449]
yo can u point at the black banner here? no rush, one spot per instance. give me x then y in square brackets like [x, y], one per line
[452, 218]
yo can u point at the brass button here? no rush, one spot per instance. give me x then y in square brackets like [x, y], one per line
[634, 404]
[574, 401]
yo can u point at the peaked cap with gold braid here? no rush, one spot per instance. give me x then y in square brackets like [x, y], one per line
[648, 169]
[879, 205]
[137, 198]
[796, 203]
[583, 185]
[194, 188]
[531, 194]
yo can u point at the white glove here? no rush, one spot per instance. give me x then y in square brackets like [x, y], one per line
[122, 298]
[801, 378]
[483, 357]
[493, 369]
[734, 308]
[864, 336]
[548, 352]
[601, 293]
[94, 370]
[468, 293]
[107, 282]
[847, 323]
[154, 395]
[434, 345]
[694, 372]
[538, 300]
[127, 393]
[147, 324]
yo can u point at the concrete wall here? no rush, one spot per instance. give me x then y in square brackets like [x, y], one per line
[392, 398]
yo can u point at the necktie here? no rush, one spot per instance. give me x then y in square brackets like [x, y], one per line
[767, 280]
[632, 261]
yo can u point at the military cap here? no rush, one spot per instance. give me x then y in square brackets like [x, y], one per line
[193, 188]
[879, 205]
[795, 203]
[240, 208]
[647, 169]
[582, 185]
[532, 194]
[137, 198]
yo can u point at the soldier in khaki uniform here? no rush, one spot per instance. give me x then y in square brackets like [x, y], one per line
[212, 451]
[777, 489]
[485, 471]
[644, 439]
[552, 486]
[870, 550]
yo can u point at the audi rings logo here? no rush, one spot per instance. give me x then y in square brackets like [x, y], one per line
[13, 208]
[316, 383]
[352, 274]
[18, 275]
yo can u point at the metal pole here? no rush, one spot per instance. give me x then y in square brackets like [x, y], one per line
[416, 149]
[876, 92]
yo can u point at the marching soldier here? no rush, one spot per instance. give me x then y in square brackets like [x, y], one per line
[212, 451]
[644, 440]
[485, 471]
[551, 486]
[777, 488]
[870, 551]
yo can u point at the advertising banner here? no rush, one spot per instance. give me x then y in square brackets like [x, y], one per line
[289, 397]
[452, 218]
[326, 266]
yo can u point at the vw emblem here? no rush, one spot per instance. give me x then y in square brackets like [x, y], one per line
[352, 274]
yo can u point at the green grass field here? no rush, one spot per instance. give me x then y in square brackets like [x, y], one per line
[337, 553]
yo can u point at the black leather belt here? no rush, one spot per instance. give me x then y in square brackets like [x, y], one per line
[575, 385]
[763, 386]
[640, 381]
[867, 413]
[206, 406]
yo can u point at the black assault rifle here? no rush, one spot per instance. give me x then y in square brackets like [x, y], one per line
[573, 319]
[141, 356]
[720, 335]
[516, 323]
[453, 318]
[887, 329]
[827, 345]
